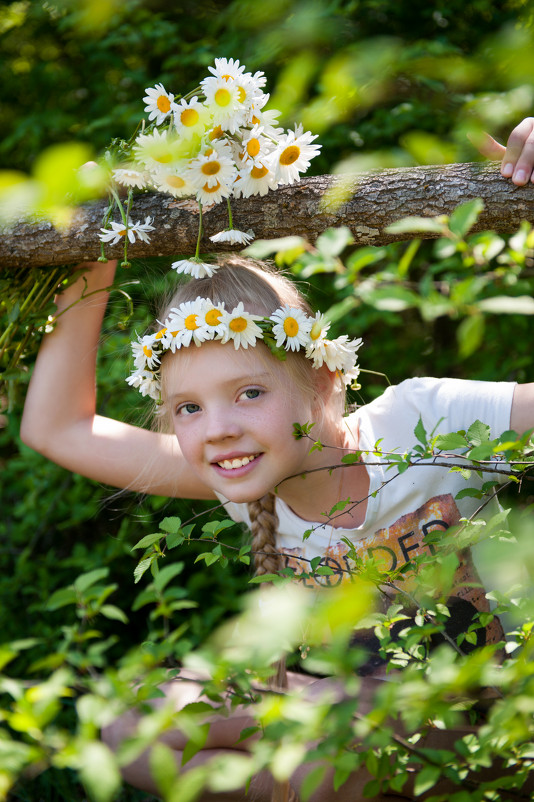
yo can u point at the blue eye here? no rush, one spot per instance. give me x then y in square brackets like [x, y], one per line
[187, 409]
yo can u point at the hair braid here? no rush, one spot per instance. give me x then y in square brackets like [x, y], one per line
[267, 560]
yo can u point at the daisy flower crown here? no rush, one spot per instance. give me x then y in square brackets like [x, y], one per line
[217, 142]
[201, 320]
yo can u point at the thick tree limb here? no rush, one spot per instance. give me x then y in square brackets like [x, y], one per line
[379, 199]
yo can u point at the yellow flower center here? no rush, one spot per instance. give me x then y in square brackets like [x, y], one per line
[259, 172]
[147, 351]
[238, 324]
[291, 327]
[241, 94]
[163, 103]
[289, 155]
[122, 233]
[191, 322]
[255, 120]
[253, 147]
[162, 156]
[211, 189]
[160, 334]
[316, 330]
[189, 117]
[216, 133]
[213, 317]
[174, 333]
[222, 97]
[211, 168]
[175, 181]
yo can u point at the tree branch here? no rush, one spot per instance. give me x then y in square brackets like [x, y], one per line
[379, 198]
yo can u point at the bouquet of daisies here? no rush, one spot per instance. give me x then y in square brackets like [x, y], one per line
[215, 143]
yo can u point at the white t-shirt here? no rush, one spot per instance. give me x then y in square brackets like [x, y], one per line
[402, 508]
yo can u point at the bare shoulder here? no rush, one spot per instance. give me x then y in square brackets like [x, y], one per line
[522, 416]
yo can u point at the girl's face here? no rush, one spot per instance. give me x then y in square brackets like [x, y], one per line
[233, 415]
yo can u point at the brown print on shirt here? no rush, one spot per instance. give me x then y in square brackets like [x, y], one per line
[397, 544]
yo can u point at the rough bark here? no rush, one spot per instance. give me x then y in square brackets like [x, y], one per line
[379, 198]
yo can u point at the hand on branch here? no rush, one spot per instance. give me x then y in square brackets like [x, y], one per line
[517, 157]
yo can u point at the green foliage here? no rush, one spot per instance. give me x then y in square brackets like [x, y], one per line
[103, 594]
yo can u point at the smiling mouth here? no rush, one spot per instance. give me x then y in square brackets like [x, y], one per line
[229, 464]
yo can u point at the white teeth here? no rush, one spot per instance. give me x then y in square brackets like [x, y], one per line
[228, 464]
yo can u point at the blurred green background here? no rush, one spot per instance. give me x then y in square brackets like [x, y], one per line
[383, 83]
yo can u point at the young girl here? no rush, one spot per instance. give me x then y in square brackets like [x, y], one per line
[228, 412]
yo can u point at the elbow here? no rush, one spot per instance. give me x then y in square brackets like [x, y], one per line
[33, 435]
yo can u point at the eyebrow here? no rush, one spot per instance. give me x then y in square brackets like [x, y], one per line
[246, 378]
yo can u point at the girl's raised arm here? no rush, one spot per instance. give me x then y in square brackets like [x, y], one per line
[60, 419]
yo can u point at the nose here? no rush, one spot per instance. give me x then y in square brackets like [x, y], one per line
[222, 423]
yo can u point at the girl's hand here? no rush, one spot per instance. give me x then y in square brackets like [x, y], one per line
[518, 155]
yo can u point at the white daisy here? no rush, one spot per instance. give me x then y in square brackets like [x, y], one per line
[116, 232]
[146, 383]
[209, 195]
[293, 154]
[232, 236]
[142, 229]
[227, 68]
[254, 181]
[240, 327]
[187, 321]
[255, 147]
[291, 327]
[174, 182]
[128, 177]
[212, 167]
[158, 149]
[222, 100]
[211, 318]
[338, 354]
[145, 352]
[158, 103]
[268, 121]
[191, 117]
[194, 267]
[318, 332]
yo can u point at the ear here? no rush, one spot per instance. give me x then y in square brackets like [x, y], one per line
[325, 385]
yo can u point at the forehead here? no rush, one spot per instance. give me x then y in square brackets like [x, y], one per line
[214, 363]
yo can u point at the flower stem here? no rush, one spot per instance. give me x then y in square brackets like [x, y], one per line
[197, 250]
[230, 218]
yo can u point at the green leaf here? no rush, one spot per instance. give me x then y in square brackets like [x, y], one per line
[414, 224]
[162, 760]
[465, 216]
[214, 528]
[142, 567]
[478, 433]
[470, 334]
[147, 541]
[61, 598]
[171, 525]
[469, 492]
[324, 570]
[262, 248]
[426, 779]
[450, 442]
[506, 305]
[167, 573]
[256, 580]
[114, 613]
[84, 581]
[99, 771]
[420, 432]
[195, 745]
[333, 241]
